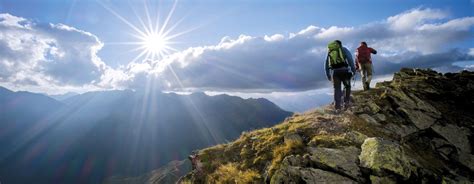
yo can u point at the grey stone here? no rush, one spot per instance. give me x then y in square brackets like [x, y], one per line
[456, 180]
[369, 119]
[355, 137]
[381, 117]
[295, 160]
[343, 160]
[374, 108]
[437, 142]
[381, 180]
[457, 136]
[311, 175]
[420, 119]
[426, 107]
[467, 160]
[379, 155]
[402, 130]
[293, 174]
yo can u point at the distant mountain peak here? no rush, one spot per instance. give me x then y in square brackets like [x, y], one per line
[116, 127]
[61, 97]
[4, 90]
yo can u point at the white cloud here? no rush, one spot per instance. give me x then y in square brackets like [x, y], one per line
[275, 37]
[48, 56]
[415, 38]
[406, 21]
[55, 56]
[471, 52]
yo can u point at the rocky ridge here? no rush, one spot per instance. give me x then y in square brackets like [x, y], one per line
[417, 128]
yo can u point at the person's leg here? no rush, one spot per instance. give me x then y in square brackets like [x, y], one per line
[336, 79]
[369, 74]
[347, 88]
[364, 75]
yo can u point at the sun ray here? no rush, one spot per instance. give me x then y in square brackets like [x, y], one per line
[163, 27]
[150, 25]
[206, 127]
[173, 27]
[154, 37]
[158, 16]
[121, 18]
[181, 33]
[142, 23]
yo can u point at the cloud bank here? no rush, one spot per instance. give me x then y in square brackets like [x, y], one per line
[415, 38]
[55, 54]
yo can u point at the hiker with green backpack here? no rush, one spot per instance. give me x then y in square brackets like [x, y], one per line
[339, 61]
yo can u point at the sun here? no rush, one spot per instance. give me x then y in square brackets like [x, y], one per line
[154, 43]
[154, 36]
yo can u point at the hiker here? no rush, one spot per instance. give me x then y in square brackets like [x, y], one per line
[364, 63]
[339, 60]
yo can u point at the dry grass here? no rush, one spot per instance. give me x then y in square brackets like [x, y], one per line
[231, 174]
[263, 150]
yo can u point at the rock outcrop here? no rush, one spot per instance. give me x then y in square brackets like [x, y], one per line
[417, 128]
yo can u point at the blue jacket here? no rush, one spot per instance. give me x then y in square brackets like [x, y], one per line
[349, 60]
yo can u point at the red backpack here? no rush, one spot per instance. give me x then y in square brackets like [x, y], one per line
[363, 54]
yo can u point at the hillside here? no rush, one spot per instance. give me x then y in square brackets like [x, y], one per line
[96, 135]
[19, 111]
[416, 128]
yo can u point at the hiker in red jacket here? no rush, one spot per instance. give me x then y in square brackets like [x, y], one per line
[364, 63]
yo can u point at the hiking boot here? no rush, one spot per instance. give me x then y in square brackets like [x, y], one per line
[347, 106]
[366, 86]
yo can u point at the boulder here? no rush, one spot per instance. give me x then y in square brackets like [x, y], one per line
[381, 180]
[402, 130]
[467, 160]
[380, 117]
[420, 119]
[456, 180]
[343, 160]
[355, 137]
[369, 119]
[381, 155]
[457, 136]
[292, 174]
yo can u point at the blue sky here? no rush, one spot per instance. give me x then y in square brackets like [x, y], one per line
[255, 48]
[216, 19]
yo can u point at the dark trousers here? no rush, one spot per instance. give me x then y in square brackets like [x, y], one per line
[344, 77]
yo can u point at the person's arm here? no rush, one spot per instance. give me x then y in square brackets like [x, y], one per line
[357, 60]
[326, 68]
[373, 51]
[350, 61]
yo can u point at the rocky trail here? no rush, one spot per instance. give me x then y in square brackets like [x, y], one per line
[417, 128]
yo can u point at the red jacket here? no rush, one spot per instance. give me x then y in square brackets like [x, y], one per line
[363, 55]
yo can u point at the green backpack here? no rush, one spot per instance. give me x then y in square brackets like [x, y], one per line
[336, 57]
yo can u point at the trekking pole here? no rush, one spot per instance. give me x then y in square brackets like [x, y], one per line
[354, 79]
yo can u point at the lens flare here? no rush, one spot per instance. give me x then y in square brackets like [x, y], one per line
[154, 36]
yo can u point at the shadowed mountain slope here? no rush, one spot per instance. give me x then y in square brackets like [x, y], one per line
[92, 136]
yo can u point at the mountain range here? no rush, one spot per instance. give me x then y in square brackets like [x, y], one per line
[85, 138]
